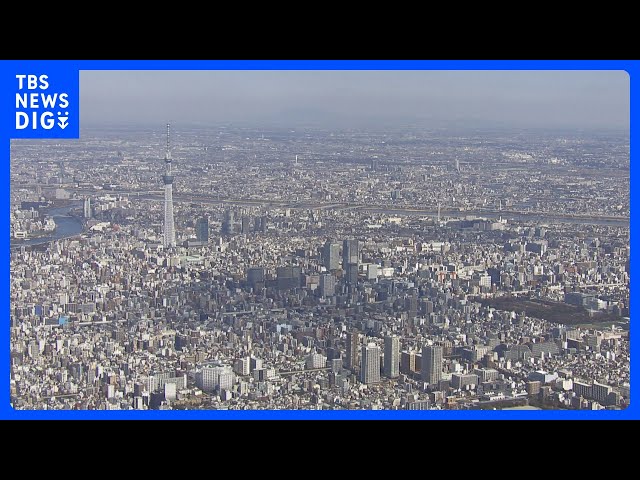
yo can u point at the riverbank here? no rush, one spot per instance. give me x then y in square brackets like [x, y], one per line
[67, 225]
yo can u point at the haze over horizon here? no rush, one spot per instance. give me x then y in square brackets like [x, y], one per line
[359, 99]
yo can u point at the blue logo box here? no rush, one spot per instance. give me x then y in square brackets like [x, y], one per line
[42, 101]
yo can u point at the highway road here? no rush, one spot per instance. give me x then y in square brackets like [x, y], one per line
[157, 195]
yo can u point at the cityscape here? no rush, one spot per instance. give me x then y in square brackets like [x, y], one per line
[177, 266]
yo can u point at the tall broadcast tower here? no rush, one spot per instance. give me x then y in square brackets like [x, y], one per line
[169, 239]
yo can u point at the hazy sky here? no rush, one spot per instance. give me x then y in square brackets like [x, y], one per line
[521, 99]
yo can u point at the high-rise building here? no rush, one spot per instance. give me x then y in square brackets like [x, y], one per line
[327, 285]
[411, 304]
[87, 207]
[255, 275]
[169, 237]
[315, 360]
[408, 362]
[170, 391]
[228, 222]
[336, 365]
[464, 381]
[600, 392]
[432, 364]
[263, 224]
[202, 229]
[372, 271]
[255, 363]
[350, 252]
[353, 340]
[212, 377]
[331, 255]
[391, 356]
[245, 225]
[288, 277]
[242, 366]
[533, 387]
[351, 273]
[582, 389]
[370, 371]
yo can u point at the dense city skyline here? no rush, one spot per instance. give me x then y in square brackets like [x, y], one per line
[341, 267]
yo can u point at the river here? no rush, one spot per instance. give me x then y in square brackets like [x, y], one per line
[66, 226]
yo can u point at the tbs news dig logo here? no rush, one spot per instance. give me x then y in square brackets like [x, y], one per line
[46, 110]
